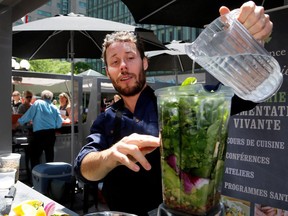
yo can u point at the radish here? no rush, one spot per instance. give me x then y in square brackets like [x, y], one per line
[50, 208]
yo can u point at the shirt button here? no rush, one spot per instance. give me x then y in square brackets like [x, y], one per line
[137, 120]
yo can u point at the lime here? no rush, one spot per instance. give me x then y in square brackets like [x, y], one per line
[40, 211]
[19, 211]
[28, 210]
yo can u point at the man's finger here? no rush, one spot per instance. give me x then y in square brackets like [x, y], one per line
[223, 10]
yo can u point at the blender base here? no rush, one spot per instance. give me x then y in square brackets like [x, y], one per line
[218, 210]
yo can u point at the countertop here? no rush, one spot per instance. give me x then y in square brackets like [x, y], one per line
[24, 192]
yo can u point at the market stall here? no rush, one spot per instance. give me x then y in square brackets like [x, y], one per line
[57, 83]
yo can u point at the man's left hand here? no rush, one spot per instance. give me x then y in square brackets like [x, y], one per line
[254, 19]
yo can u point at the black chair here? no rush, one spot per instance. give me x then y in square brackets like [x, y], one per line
[20, 145]
[88, 190]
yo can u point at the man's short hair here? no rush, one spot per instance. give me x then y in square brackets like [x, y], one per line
[28, 93]
[47, 95]
[122, 36]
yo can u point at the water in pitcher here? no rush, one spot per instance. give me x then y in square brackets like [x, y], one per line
[245, 74]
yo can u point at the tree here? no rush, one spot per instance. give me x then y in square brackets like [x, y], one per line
[57, 66]
[50, 66]
[81, 67]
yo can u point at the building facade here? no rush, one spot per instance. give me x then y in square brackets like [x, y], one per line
[116, 10]
[55, 7]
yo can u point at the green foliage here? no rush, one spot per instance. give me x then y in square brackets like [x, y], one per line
[57, 66]
[50, 66]
[80, 67]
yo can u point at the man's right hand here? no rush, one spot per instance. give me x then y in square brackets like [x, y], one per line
[132, 149]
[128, 152]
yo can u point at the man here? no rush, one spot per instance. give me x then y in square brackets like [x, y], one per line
[28, 95]
[122, 149]
[45, 118]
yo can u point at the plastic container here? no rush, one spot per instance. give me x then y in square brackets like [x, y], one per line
[7, 177]
[42, 174]
[227, 51]
[11, 161]
[193, 130]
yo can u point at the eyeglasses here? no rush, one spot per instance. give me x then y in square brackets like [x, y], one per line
[28, 97]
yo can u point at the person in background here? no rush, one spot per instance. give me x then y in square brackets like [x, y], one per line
[15, 101]
[116, 98]
[45, 118]
[55, 102]
[28, 95]
[65, 106]
[123, 145]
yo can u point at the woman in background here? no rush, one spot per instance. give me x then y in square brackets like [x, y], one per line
[65, 105]
[15, 101]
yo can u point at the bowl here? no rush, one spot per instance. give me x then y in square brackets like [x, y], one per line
[109, 213]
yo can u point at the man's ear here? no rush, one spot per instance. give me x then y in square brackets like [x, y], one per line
[145, 63]
[107, 72]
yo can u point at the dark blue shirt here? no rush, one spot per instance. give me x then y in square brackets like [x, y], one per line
[126, 190]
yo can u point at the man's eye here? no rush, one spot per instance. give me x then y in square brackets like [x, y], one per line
[114, 62]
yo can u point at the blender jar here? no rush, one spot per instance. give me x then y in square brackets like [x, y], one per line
[193, 125]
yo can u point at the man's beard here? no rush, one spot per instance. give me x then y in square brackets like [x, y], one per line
[131, 91]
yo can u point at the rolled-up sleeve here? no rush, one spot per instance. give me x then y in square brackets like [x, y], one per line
[96, 141]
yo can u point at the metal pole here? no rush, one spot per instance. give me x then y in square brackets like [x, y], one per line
[72, 98]
[182, 69]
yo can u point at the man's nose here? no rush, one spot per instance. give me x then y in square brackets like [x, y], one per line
[123, 64]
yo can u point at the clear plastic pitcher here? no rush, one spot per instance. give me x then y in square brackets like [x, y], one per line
[227, 51]
[193, 130]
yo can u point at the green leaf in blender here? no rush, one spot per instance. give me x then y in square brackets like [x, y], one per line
[189, 81]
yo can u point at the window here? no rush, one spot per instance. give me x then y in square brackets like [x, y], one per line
[44, 13]
[82, 4]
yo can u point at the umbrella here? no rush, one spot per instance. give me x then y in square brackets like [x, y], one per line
[71, 36]
[193, 13]
[168, 60]
[90, 73]
[51, 37]
[175, 59]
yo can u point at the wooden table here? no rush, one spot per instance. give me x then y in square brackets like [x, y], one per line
[24, 192]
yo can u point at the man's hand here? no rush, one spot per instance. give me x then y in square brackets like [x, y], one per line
[128, 151]
[132, 149]
[254, 19]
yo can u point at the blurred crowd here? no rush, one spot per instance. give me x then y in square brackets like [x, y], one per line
[20, 103]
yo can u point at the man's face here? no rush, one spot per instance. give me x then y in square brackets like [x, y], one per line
[28, 98]
[125, 68]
